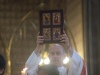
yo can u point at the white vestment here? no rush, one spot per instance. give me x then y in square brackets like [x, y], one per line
[75, 67]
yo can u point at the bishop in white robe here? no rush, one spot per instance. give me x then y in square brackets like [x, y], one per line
[76, 63]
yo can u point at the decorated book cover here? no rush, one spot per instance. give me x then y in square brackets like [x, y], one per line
[51, 25]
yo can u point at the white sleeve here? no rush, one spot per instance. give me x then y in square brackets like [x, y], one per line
[76, 63]
[32, 64]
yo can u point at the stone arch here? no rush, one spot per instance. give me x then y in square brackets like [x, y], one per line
[8, 49]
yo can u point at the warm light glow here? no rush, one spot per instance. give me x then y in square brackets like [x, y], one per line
[46, 61]
[45, 55]
[9, 63]
[41, 62]
[66, 60]
[24, 71]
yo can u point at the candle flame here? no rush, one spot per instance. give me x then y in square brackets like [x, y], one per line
[25, 69]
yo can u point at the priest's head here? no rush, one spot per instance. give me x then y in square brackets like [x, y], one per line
[56, 55]
[2, 65]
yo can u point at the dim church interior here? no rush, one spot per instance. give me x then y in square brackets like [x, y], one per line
[19, 25]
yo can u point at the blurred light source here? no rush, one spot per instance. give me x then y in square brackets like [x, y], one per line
[46, 61]
[23, 72]
[9, 63]
[41, 62]
[66, 60]
[25, 69]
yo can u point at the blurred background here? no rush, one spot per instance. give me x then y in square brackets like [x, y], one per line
[19, 25]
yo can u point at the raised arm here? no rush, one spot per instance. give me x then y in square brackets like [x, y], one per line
[66, 44]
[34, 59]
[77, 64]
